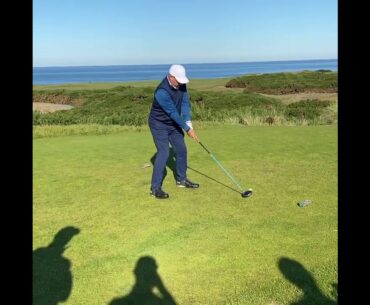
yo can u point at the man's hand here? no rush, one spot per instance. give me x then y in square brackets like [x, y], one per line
[191, 133]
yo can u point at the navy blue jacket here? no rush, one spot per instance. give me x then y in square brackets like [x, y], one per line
[170, 106]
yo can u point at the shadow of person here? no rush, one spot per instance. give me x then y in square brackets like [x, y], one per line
[147, 279]
[210, 178]
[52, 277]
[334, 291]
[171, 163]
[294, 272]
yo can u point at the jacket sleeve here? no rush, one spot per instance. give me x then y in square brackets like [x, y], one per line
[185, 108]
[165, 101]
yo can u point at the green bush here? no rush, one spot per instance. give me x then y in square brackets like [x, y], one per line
[283, 83]
[306, 109]
[130, 106]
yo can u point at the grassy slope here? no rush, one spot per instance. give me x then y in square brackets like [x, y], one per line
[129, 105]
[211, 245]
[287, 82]
[215, 84]
[110, 104]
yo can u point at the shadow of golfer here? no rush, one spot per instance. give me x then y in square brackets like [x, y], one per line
[147, 279]
[294, 272]
[235, 190]
[171, 163]
[52, 277]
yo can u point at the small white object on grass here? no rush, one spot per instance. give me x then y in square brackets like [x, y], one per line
[304, 203]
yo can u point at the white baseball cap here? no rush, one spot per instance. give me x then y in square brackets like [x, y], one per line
[178, 72]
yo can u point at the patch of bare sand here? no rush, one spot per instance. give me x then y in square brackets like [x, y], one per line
[49, 107]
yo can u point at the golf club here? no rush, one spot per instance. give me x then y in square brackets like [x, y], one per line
[243, 193]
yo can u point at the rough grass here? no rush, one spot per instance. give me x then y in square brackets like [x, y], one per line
[129, 103]
[216, 84]
[296, 97]
[125, 105]
[81, 129]
[285, 83]
[211, 245]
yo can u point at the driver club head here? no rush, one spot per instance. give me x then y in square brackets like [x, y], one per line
[247, 193]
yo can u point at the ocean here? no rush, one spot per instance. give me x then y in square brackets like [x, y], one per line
[124, 73]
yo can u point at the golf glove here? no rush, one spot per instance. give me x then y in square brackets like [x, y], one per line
[189, 124]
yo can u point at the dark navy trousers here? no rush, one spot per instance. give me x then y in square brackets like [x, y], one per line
[163, 136]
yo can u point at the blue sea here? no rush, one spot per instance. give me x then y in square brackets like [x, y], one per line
[124, 73]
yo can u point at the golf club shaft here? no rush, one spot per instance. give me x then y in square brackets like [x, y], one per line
[204, 147]
[220, 165]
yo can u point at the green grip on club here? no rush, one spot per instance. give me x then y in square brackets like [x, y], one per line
[225, 171]
[219, 164]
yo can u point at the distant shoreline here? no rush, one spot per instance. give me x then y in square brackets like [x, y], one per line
[189, 63]
[127, 73]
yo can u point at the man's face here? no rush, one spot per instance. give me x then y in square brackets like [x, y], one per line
[174, 82]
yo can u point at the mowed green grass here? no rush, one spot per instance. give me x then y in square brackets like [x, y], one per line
[211, 245]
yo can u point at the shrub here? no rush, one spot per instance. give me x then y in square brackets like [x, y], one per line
[283, 83]
[306, 109]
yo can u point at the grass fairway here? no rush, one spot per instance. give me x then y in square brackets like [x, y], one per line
[211, 245]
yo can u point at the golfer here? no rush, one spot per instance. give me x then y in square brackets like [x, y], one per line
[168, 119]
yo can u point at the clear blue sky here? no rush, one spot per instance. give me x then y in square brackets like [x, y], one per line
[120, 32]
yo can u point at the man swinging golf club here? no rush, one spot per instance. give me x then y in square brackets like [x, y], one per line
[169, 116]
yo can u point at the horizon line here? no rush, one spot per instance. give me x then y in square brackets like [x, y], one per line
[200, 63]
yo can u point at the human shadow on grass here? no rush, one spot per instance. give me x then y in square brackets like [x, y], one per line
[52, 276]
[171, 164]
[147, 280]
[298, 275]
[235, 190]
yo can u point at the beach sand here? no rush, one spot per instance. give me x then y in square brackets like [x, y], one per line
[49, 107]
